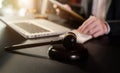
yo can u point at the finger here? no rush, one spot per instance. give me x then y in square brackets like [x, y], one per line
[90, 28]
[57, 11]
[55, 6]
[86, 23]
[94, 30]
[89, 20]
[99, 33]
[67, 7]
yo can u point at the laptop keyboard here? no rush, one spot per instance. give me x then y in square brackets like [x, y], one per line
[31, 28]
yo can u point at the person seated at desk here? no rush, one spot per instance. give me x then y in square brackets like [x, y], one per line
[104, 19]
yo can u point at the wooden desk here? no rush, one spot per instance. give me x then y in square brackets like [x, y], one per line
[104, 56]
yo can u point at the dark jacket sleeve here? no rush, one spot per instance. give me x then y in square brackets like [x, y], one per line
[114, 27]
[113, 17]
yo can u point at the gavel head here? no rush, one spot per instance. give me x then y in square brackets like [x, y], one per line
[69, 50]
[69, 41]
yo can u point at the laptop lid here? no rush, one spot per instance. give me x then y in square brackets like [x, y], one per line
[35, 28]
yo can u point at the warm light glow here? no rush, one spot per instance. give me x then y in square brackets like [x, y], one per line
[26, 6]
[44, 7]
[8, 10]
[22, 12]
[1, 3]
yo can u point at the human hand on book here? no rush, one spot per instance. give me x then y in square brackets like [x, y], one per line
[93, 26]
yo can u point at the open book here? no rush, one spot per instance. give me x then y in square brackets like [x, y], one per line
[81, 38]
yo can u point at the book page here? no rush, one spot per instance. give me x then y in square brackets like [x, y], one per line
[81, 38]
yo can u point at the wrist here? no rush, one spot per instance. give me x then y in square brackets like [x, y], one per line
[108, 28]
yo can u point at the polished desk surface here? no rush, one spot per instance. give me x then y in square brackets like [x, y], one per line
[104, 56]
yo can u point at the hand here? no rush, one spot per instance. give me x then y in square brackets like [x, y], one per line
[93, 26]
[60, 12]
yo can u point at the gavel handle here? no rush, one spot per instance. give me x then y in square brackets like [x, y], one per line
[23, 46]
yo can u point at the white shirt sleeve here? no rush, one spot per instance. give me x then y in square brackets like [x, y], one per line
[108, 27]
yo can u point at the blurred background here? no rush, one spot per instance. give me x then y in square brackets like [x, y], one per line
[34, 7]
[19, 7]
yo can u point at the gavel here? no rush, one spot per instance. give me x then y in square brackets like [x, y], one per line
[66, 49]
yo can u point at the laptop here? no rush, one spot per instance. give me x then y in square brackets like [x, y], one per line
[35, 28]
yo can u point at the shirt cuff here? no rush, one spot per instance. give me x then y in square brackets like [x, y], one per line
[108, 28]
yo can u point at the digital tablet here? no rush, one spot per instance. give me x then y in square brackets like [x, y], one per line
[71, 12]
